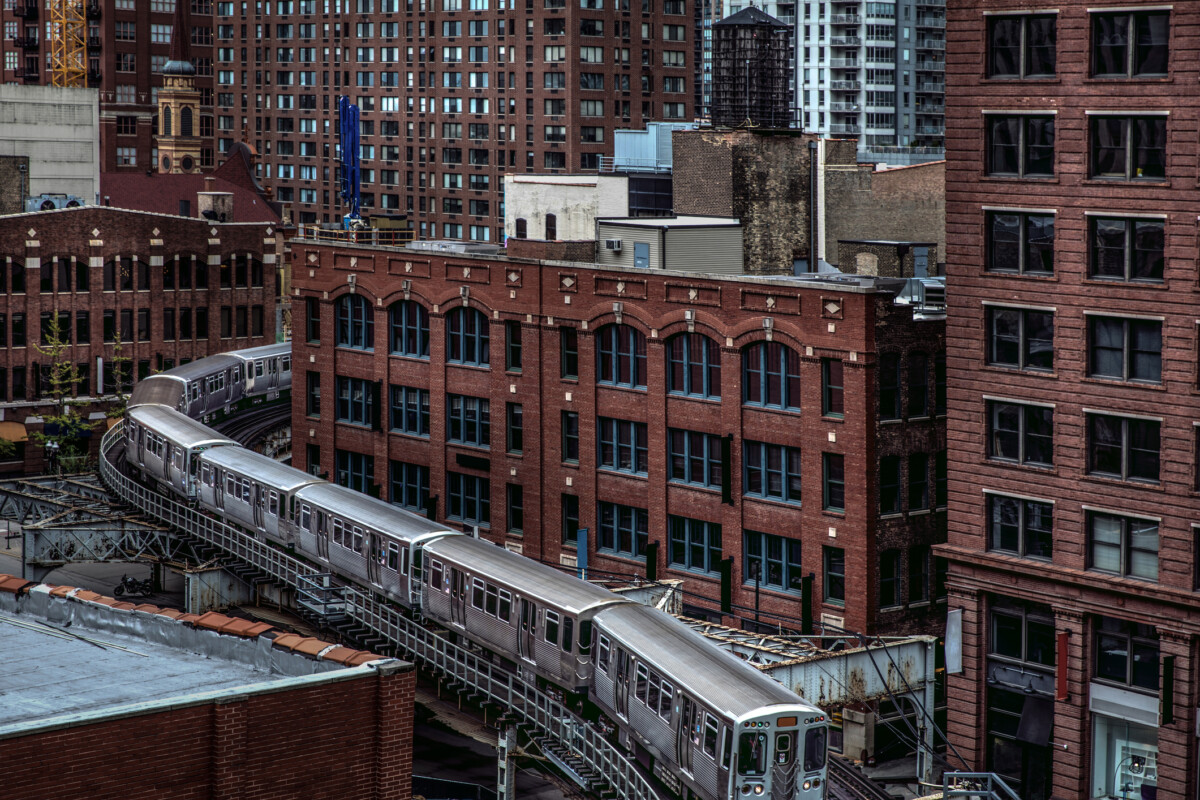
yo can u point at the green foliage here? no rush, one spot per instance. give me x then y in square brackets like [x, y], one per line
[120, 367]
[63, 385]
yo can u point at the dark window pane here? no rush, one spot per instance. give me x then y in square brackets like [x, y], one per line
[1005, 145]
[1039, 146]
[1108, 147]
[1005, 47]
[1040, 39]
[1110, 44]
[1150, 54]
[1108, 248]
[1150, 147]
[1006, 243]
[1148, 251]
[1039, 244]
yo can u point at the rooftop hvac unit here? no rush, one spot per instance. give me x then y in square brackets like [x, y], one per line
[612, 244]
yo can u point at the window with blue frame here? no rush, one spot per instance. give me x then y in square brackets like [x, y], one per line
[409, 323]
[695, 458]
[409, 486]
[695, 544]
[409, 410]
[355, 322]
[623, 445]
[467, 337]
[469, 420]
[622, 356]
[777, 558]
[771, 376]
[834, 468]
[355, 401]
[694, 366]
[623, 530]
[355, 470]
[772, 471]
[470, 500]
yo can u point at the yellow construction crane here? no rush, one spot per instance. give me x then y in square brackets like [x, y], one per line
[68, 43]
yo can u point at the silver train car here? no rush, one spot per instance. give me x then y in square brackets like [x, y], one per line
[700, 717]
[252, 490]
[530, 613]
[709, 725]
[372, 541]
[165, 447]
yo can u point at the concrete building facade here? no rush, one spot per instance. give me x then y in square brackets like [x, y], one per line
[683, 419]
[67, 163]
[562, 207]
[1072, 246]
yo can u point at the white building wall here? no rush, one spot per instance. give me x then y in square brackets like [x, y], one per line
[575, 200]
[59, 131]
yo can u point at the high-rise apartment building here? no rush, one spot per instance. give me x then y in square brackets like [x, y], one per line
[127, 50]
[1074, 542]
[454, 94]
[869, 70]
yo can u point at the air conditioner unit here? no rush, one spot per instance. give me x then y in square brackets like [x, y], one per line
[612, 244]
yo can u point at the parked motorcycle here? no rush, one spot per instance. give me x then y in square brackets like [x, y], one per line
[133, 586]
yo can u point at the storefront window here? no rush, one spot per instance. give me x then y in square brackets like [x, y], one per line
[1125, 760]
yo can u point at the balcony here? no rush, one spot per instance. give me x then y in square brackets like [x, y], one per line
[26, 10]
[845, 41]
[930, 87]
[30, 75]
[845, 63]
[931, 44]
[930, 22]
[931, 108]
[931, 130]
[845, 86]
[94, 43]
[26, 42]
[931, 66]
[845, 19]
[855, 129]
[843, 108]
[94, 11]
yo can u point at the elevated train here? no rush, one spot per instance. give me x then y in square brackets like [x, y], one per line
[706, 723]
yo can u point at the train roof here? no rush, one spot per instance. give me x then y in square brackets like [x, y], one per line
[358, 507]
[259, 467]
[180, 429]
[203, 367]
[692, 662]
[265, 351]
[529, 577]
[163, 390]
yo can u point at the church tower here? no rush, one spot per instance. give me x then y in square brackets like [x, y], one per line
[179, 103]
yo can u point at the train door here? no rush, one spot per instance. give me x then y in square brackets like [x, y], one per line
[259, 500]
[528, 632]
[193, 470]
[458, 596]
[374, 556]
[621, 687]
[683, 732]
[322, 535]
[219, 488]
[416, 578]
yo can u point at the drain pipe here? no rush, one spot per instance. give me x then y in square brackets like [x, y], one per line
[812, 206]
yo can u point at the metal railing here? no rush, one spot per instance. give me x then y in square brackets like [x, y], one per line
[977, 786]
[483, 680]
[376, 237]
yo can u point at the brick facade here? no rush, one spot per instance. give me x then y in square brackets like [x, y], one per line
[1110, 644]
[44, 255]
[338, 739]
[835, 322]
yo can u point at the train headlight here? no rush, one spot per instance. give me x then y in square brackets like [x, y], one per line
[807, 785]
[746, 789]
[758, 789]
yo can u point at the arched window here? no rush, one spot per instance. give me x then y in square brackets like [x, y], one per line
[551, 227]
[467, 337]
[522, 228]
[185, 121]
[409, 329]
[355, 322]
[622, 356]
[771, 376]
[166, 121]
[694, 365]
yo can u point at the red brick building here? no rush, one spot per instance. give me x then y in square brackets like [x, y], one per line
[454, 94]
[1071, 250]
[676, 416]
[126, 51]
[172, 289]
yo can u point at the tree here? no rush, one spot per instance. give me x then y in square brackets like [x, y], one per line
[119, 369]
[67, 425]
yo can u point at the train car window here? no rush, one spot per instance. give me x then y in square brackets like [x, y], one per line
[643, 679]
[491, 602]
[435, 575]
[306, 517]
[552, 627]
[274, 504]
[258, 369]
[339, 533]
[664, 702]
[230, 485]
[287, 364]
[814, 748]
[783, 748]
[477, 593]
[752, 754]
[358, 539]
[568, 634]
[585, 637]
[246, 490]
[710, 736]
[602, 654]
[393, 556]
[404, 561]
[726, 746]
[654, 692]
[505, 610]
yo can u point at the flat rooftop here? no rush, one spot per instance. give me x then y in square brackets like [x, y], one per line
[688, 221]
[72, 657]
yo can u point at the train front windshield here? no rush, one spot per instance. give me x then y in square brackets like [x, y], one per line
[814, 748]
[752, 754]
